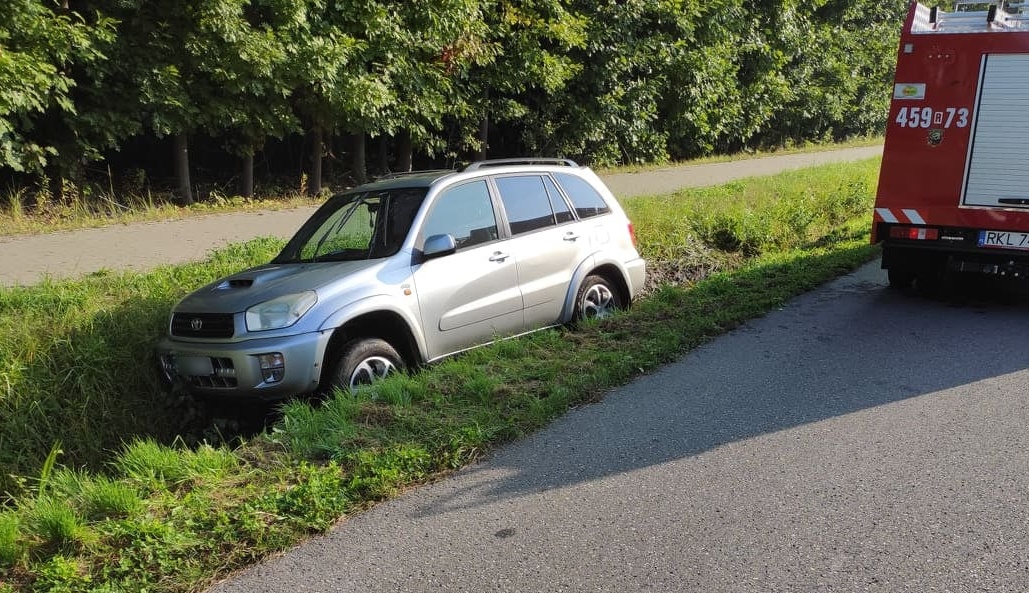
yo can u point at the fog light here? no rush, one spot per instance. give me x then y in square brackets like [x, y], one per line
[273, 366]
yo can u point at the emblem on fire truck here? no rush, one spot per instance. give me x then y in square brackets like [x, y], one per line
[908, 90]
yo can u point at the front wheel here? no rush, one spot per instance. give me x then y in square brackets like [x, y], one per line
[596, 298]
[364, 361]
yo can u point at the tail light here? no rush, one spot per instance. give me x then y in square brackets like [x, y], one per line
[914, 233]
[632, 234]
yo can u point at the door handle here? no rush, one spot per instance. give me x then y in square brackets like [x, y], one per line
[499, 256]
[570, 236]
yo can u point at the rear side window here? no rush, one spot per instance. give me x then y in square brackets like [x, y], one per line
[587, 201]
[561, 211]
[527, 203]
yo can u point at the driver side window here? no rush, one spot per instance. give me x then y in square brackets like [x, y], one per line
[466, 213]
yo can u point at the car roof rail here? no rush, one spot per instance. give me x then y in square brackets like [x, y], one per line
[396, 174]
[520, 161]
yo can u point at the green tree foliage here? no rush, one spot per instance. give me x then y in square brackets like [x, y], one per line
[509, 69]
[40, 47]
[605, 81]
[610, 111]
[218, 67]
[420, 49]
[841, 68]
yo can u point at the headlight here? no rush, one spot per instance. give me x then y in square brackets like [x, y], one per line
[280, 312]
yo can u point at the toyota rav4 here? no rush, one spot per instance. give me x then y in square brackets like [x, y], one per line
[407, 270]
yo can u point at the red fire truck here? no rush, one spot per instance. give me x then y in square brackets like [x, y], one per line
[953, 190]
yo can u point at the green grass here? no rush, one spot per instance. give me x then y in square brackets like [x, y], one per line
[166, 514]
[76, 363]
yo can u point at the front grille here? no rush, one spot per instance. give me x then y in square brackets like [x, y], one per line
[224, 375]
[202, 325]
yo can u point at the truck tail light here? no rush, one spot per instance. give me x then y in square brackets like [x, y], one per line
[632, 234]
[914, 233]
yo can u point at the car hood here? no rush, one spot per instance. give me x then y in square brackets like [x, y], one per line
[238, 292]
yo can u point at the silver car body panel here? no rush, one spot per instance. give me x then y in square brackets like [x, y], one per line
[503, 287]
[467, 295]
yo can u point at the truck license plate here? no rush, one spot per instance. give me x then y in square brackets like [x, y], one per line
[1004, 239]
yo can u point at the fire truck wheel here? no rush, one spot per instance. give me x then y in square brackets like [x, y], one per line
[931, 282]
[900, 278]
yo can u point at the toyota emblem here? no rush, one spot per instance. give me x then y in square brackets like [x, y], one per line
[196, 323]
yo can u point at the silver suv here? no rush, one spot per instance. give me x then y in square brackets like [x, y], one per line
[407, 270]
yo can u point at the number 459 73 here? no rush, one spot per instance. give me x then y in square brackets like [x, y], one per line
[924, 117]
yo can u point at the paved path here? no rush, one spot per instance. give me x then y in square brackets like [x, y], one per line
[857, 440]
[27, 259]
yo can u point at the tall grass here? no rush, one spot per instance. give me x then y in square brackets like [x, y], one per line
[170, 517]
[689, 234]
[76, 362]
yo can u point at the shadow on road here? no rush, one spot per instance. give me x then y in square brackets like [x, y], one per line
[849, 346]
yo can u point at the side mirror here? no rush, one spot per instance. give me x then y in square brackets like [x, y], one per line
[438, 245]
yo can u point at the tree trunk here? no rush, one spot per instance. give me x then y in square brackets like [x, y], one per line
[314, 180]
[182, 168]
[247, 183]
[383, 145]
[404, 150]
[55, 183]
[358, 162]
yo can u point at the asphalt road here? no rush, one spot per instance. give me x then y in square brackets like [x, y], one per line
[855, 440]
[28, 259]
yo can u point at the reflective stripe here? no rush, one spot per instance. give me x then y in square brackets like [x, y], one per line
[886, 215]
[913, 216]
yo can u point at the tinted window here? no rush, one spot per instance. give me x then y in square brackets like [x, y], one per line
[561, 210]
[465, 212]
[586, 200]
[526, 203]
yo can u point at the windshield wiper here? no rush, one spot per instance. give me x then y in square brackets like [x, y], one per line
[335, 228]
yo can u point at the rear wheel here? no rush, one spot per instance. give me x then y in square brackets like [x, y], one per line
[900, 278]
[363, 361]
[933, 279]
[596, 298]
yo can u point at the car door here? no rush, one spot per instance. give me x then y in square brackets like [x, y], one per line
[546, 242]
[471, 295]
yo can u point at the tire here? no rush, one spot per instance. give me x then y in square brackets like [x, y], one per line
[933, 282]
[900, 278]
[363, 361]
[596, 298]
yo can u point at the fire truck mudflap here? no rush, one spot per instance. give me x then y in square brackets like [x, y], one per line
[953, 192]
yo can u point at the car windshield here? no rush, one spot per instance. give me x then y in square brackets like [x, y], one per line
[355, 226]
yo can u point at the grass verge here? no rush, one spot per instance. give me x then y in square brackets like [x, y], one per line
[167, 517]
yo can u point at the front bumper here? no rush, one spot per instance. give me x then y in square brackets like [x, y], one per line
[234, 369]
